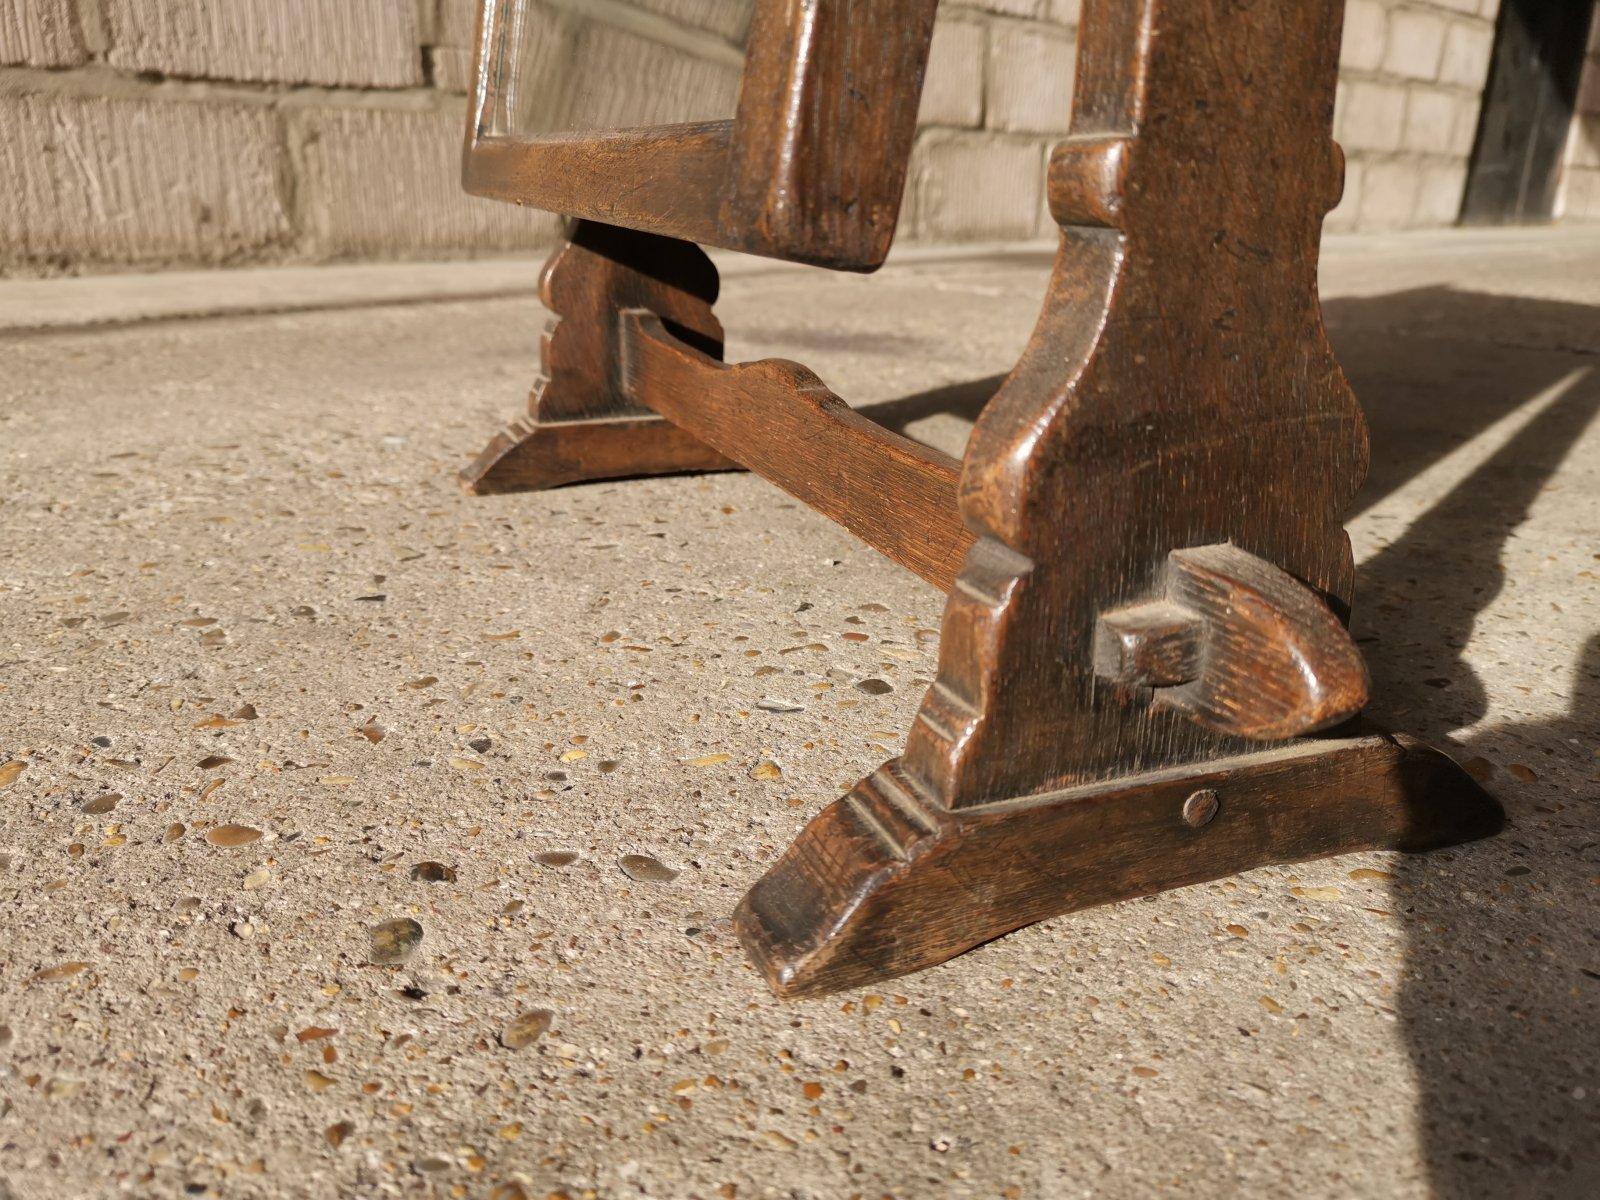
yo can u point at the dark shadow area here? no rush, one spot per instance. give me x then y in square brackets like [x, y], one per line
[1500, 999]
[962, 400]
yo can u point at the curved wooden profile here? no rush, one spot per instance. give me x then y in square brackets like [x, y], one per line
[781, 421]
[887, 881]
[581, 423]
[1237, 646]
[1178, 392]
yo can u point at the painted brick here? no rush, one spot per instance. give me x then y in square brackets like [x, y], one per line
[1466, 130]
[1388, 195]
[1029, 78]
[1465, 62]
[1371, 116]
[1582, 199]
[375, 182]
[1588, 100]
[457, 22]
[1415, 45]
[998, 88]
[1585, 148]
[1366, 26]
[1439, 190]
[455, 31]
[1066, 12]
[39, 33]
[952, 94]
[1430, 124]
[98, 181]
[1010, 8]
[452, 68]
[972, 186]
[364, 43]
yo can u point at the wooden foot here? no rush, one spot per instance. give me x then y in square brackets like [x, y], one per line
[581, 424]
[531, 455]
[886, 881]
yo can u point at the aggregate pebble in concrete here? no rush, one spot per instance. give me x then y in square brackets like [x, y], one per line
[358, 837]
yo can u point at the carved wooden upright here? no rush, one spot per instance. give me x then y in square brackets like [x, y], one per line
[1144, 677]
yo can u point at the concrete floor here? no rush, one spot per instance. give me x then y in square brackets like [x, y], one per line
[238, 587]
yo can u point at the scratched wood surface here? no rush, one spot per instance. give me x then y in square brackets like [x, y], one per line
[1178, 393]
[1148, 578]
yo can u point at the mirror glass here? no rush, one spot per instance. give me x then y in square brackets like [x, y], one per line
[572, 66]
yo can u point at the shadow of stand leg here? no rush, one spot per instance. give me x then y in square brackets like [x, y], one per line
[1499, 997]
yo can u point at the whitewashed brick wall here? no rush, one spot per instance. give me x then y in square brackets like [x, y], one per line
[149, 133]
[1580, 187]
[1412, 73]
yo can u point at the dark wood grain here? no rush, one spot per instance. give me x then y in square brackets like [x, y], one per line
[582, 423]
[812, 169]
[827, 114]
[888, 880]
[676, 176]
[1148, 579]
[1237, 646]
[1178, 393]
[781, 421]
[1153, 644]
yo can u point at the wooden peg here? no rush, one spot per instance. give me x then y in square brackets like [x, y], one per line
[1237, 646]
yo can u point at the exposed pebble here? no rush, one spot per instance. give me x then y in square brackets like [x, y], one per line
[433, 872]
[526, 1028]
[231, 835]
[646, 869]
[393, 942]
[769, 704]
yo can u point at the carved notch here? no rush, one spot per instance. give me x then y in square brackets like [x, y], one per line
[1238, 646]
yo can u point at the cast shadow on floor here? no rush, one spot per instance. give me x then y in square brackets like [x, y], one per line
[1500, 1001]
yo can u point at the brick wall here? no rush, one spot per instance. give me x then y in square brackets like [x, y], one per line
[1580, 186]
[1411, 76]
[173, 132]
[149, 133]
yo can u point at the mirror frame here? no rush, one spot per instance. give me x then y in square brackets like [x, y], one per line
[811, 169]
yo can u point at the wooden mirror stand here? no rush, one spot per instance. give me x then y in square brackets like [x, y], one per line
[1145, 679]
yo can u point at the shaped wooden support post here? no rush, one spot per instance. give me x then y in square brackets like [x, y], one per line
[1145, 680]
[581, 423]
[1154, 596]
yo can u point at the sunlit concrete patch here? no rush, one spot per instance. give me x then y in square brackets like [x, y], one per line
[358, 837]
